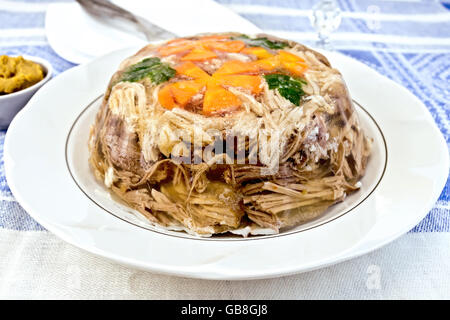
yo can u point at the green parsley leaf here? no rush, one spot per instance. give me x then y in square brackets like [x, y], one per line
[151, 68]
[261, 42]
[288, 87]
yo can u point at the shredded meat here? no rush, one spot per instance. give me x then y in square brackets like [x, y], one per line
[318, 149]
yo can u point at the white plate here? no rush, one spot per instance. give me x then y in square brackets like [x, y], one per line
[47, 170]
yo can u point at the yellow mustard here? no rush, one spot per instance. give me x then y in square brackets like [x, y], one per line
[16, 74]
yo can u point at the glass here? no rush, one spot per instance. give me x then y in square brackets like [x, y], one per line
[325, 18]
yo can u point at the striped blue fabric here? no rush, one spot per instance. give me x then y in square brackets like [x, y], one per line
[409, 42]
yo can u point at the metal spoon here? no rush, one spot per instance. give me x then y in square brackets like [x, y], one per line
[106, 10]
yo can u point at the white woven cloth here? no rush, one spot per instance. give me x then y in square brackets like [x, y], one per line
[37, 265]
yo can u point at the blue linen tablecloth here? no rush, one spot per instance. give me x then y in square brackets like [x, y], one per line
[409, 43]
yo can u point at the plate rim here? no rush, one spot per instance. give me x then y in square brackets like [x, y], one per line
[193, 274]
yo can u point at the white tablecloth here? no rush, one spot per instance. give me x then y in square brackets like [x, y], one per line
[39, 265]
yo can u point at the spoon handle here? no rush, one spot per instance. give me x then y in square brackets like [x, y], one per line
[104, 9]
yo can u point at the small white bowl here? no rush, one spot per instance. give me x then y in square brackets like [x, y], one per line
[12, 103]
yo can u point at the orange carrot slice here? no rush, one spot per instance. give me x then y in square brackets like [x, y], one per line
[268, 64]
[165, 98]
[191, 70]
[297, 68]
[218, 98]
[286, 56]
[227, 46]
[183, 91]
[176, 48]
[199, 54]
[260, 52]
[292, 63]
[235, 67]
